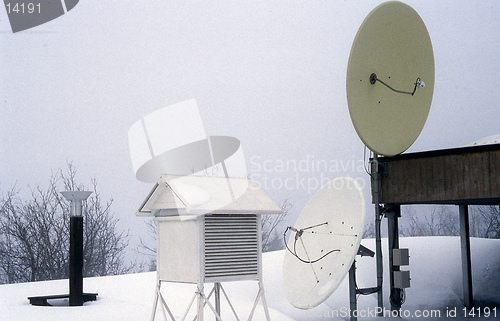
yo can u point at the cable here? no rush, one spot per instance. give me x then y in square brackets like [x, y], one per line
[398, 301]
[298, 234]
[418, 84]
[364, 163]
[375, 290]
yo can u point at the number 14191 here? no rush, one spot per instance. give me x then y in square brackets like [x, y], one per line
[480, 312]
[23, 8]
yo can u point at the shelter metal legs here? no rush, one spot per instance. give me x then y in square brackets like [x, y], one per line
[159, 296]
[203, 300]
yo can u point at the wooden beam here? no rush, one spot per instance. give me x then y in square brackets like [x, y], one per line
[456, 176]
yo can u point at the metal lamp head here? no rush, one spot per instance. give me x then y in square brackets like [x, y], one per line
[76, 198]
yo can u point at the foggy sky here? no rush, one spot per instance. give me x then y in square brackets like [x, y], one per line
[271, 73]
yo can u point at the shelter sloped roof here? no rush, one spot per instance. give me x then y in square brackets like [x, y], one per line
[178, 195]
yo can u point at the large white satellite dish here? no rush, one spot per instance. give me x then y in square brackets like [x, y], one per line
[390, 78]
[493, 139]
[323, 243]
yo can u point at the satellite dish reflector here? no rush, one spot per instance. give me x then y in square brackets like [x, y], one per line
[493, 139]
[390, 78]
[323, 243]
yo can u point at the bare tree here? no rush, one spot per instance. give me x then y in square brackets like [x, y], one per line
[104, 246]
[32, 238]
[148, 247]
[491, 216]
[369, 231]
[441, 221]
[34, 233]
[272, 239]
[485, 221]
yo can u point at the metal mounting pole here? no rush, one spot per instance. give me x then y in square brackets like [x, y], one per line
[76, 246]
[353, 288]
[378, 235]
[393, 239]
[466, 261]
[76, 261]
[353, 306]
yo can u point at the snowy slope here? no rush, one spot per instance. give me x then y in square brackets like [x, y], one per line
[435, 284]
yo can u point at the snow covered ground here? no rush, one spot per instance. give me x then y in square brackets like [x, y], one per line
[436, 285]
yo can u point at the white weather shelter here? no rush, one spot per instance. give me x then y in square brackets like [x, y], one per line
[209, 231]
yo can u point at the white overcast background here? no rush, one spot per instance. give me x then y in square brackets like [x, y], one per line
[270, 73]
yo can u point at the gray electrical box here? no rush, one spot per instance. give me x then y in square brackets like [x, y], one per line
[400, 257]
[401, 279]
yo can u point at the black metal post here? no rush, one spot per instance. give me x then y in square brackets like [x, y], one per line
[466, 261]
[76, 297]
[375, 170]
[353, 305]
[393, 237]
[76, 261]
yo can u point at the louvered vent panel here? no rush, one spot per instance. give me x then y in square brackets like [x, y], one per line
[231, 246]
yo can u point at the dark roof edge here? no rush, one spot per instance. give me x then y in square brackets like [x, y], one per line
[443, 152]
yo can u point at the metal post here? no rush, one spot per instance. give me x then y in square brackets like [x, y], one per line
[76, 261]
[466, 261]
[378, 235]
[76, 246]
[353, 306]
[393, 240]
[217, 297]
[157, 297]
[263, 298]
[199, 314]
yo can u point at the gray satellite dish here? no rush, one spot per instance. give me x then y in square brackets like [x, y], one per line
[493, 139]
[390, 78]
[325, 241]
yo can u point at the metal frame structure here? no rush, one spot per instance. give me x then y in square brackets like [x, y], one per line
[353, 288]
[458, 176]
